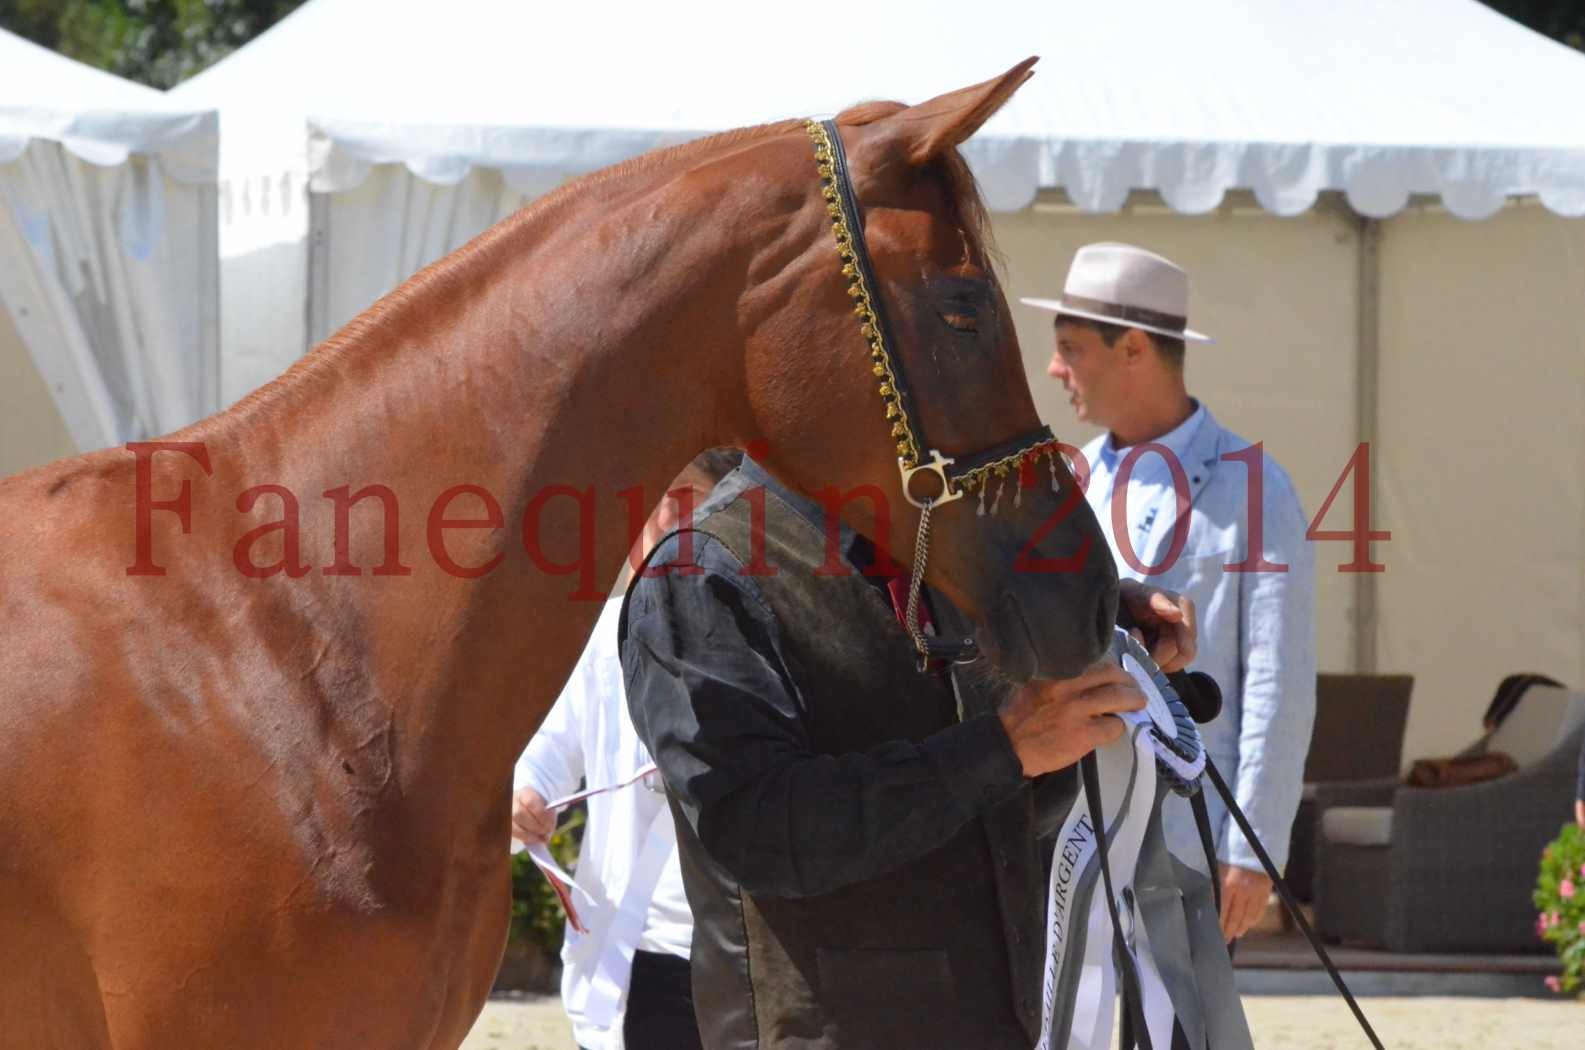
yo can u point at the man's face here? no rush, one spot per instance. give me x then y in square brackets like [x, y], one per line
[1089, 370]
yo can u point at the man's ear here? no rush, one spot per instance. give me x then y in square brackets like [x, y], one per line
[919, 134]
[1136, 347]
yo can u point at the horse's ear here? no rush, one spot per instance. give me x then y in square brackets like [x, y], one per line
[921, 133]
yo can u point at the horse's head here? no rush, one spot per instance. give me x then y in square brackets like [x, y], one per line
[1032, 569]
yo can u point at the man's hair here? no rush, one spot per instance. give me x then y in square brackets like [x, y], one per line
[1172, 350]
[716, 463]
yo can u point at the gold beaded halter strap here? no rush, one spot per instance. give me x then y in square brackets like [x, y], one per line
[1002, 464]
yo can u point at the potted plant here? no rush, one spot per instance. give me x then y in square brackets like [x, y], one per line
[1560, 896]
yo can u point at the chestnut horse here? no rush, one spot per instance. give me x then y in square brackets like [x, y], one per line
[262, 683]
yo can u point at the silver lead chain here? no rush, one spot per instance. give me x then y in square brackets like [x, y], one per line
[921, 555]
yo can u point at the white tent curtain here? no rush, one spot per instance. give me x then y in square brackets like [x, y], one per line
[107, 245]
[392, 225]
[106, 279]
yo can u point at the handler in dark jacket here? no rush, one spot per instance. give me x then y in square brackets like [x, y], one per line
[859, 852]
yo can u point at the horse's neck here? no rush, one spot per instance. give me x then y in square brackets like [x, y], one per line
[549, 358]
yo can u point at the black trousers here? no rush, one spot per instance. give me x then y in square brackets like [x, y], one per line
[660, 1005]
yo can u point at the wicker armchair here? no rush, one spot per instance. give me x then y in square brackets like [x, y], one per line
[1357, 740]
[1416, 870]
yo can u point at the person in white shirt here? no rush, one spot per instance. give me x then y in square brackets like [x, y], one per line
[1199, 510]
[625, 980]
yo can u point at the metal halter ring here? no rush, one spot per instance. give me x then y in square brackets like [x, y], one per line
[938, 466]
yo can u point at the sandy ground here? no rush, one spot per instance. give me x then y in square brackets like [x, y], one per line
[1278, 1022]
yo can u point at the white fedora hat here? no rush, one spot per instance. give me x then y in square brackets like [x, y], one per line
[1124, 285]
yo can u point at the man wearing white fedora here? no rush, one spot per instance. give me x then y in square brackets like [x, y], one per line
[1199, 510]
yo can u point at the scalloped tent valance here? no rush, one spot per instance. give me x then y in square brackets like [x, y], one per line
[1379, 101]
[96, 117]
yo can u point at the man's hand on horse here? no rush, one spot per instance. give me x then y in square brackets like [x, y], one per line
[532, 821]
[1244, 897]
[1053, 724]
[1165, 622]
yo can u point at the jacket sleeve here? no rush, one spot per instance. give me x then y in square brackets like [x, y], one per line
[1277, 636]
[713, 701]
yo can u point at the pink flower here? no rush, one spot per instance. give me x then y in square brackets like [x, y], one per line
[1540, 925]
[1565, 889]
[1582, 928]
[1582, 871]
[1553, 919]
[1553, 983]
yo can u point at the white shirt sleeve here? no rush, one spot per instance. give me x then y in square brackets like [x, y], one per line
[553, 764]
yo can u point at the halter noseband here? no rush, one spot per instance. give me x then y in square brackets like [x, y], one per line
[957, 475]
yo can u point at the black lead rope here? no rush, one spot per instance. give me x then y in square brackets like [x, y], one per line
[1202, 824]
[1135, 1031]
[1287, 900]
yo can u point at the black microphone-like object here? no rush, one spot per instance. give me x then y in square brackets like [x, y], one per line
[1199, 693]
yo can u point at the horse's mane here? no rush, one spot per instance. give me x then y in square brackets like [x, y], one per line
[445, 279]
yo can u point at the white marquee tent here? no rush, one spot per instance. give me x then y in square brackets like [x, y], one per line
[1312, 164]
[108, 271]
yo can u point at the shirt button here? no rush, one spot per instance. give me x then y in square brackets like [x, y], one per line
[1018, 935]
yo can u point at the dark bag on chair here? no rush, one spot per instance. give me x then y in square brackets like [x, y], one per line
[1459, 770]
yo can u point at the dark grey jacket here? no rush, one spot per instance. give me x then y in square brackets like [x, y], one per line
[862, 864]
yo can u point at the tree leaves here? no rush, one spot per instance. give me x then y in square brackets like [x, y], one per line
[156, 42]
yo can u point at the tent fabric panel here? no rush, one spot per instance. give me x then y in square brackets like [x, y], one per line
[97, 117]
[105, 285]
[393, 225]
[31, 429]
[1481, 442]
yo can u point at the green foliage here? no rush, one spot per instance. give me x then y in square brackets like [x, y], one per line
[157, 42]
[1562, 20]
[1560, 894]
[536, 912]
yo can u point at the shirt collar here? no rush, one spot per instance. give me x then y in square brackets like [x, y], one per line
[1177, 440]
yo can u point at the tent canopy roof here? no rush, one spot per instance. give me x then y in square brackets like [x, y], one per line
[1378, 100]
[96, 116]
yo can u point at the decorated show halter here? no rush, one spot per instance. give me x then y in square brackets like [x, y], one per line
[1003, 464]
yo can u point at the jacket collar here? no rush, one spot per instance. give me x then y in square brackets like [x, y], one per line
[857, 550]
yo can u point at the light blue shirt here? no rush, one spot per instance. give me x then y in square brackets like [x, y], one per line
[1256, 629]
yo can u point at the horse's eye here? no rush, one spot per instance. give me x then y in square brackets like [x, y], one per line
[960, 318]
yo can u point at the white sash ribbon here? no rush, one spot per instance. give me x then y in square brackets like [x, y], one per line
[1080, 988]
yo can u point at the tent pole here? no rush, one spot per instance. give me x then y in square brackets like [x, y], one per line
[1366, 419]
[209, 298]
[318, 305]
